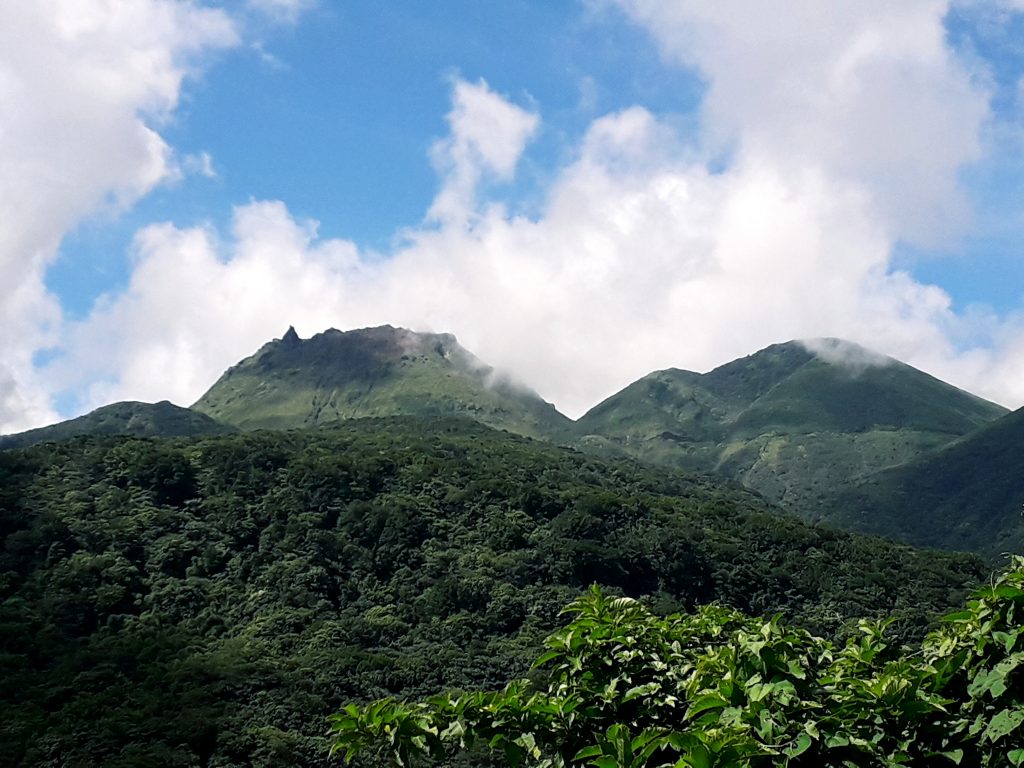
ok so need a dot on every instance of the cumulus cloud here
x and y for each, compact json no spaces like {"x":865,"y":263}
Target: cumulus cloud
{"x":867,"y":92}
{"x":487,"y":136}
{"x":847,"y":123}
{"x":145,"y":342}
{"x":634,"y":265}
{"x":84,"y":87}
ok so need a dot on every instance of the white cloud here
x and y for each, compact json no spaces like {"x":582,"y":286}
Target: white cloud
{"x":199,"y":164}
{"x":281,"y":11}
{"x":487,"y":137}
{"x":849,"y":134}
{"x":84,"y":86}
{"x":635,"y":265}
{"x":867,"y":92}
{"x":190,"y":307}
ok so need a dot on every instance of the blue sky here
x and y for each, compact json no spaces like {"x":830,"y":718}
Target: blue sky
{"x":336,"y":115}
{"x":582,"y":191}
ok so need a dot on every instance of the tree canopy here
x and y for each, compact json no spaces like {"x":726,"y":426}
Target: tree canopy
{"x":211,"y":600}
{"x":715,"y":688}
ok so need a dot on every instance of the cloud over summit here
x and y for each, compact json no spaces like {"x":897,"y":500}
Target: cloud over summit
{"x":846,"y":129}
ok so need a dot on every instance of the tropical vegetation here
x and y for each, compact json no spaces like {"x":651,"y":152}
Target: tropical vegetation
{"x":714,"y":688}
{"x":209,"y":601}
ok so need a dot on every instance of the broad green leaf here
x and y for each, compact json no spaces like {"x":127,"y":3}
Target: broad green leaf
{"x":706,"y":702}
{"x":640,"y":690}
{"x":958,"y":617}
{"x":1003,"y":723}
{"x":1007,"y":591}
{"x":587,"y":752}
{"x":800,"y":745}
{"x":546,"y":657}
{"x":758,"y":691}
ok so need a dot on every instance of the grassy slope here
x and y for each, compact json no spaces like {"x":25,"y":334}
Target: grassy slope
{"x":371,"y":372}
{"x":161,"y":419}
{"x":786,"y":422}
{"x":968,"y":495}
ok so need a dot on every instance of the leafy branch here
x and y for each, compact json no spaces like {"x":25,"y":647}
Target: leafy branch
{"x":626,"y":688}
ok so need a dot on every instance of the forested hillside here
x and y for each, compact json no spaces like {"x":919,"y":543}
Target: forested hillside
{"x":209,"y":601}
{"x":967,"y":496}
{"x":161,"y":419}
{"x":827,"y":430}
{"x":797,"y":422}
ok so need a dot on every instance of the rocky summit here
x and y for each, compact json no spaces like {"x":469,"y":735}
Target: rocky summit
{"x":383,"y":371}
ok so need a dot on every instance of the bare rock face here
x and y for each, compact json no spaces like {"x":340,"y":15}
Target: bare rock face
{"x":291,"y":338}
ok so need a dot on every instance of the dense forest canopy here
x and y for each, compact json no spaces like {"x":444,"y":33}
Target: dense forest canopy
{"x":717,"y":689}
{"x":210,"y":600}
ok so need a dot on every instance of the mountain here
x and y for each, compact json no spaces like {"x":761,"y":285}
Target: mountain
{"x":161,"y":419}
{"x":968,"y":495}
{"x":208,"y":601}
{"x":382,"y":371}
{"x":793,"y":421}
{"x":808,"y":424}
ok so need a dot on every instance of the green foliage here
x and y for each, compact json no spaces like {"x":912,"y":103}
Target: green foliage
{"x":161,"y":419}
{"x":714,"y":688}
{"x":334,"y":376}
{"x":209,"y":601}
{"x":967,"y":496}
{"x":798,"y":429}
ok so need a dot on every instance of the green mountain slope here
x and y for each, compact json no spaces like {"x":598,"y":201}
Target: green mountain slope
{"x":789,"y":422}
{"x":968,"y":496}
{"x":208,"y":601}
{"x":381,"y":371}
{"x":161,"y":419}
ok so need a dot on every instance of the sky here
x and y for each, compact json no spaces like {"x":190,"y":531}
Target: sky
{"x":582,"y":191}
